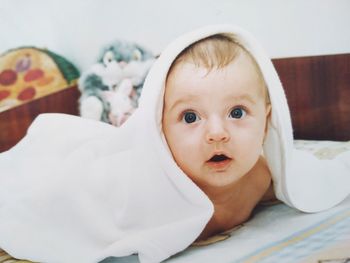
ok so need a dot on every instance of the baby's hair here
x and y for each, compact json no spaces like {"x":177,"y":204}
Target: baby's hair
{"x":215,"y":52}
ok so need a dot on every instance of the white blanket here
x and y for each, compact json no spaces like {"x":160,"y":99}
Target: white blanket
{"x":92,"y":191}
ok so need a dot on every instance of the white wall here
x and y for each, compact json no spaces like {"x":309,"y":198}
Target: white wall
{"x":77,"y":29}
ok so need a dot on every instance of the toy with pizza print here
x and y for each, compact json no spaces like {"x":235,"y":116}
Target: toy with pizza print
{"x":28,"y":73}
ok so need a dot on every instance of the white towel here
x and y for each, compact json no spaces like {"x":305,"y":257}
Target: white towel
{"x":75,"y":190}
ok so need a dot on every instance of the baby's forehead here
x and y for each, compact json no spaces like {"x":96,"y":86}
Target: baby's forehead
{"x":187,"y":79}
{"x":191,"y":79}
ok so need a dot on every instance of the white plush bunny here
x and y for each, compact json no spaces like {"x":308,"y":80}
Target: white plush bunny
{"x":121,"y":103}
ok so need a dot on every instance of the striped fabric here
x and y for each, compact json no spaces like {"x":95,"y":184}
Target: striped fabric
{"x":295,"y":248}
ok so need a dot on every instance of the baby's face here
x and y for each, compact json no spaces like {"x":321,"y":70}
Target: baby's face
{"x":215,"y":122}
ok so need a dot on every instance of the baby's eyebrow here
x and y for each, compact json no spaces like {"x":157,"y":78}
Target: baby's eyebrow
{"x":233,"y":99}
{"x":244,"y":97}
{"x":184,"y":99}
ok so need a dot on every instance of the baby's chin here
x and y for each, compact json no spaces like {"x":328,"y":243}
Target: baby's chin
{"x":218,"y":180}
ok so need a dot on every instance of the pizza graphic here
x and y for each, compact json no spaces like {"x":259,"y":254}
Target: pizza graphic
{"x":28,"y":73}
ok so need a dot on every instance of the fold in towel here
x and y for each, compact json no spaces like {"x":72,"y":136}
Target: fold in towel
{"x":75,"y":190}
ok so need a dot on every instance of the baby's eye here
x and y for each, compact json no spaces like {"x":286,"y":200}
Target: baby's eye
{"x":190,"y":117}
{"x":237,"y":113}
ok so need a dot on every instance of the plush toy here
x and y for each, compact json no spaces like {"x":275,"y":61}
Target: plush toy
{"x":121,"y":103}
{"x":110,"y":88}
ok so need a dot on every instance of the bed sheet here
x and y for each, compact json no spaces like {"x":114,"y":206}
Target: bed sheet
{"x":277,"y":234}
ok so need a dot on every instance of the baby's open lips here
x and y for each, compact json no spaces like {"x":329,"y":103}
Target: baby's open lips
{"x":219,"y":158}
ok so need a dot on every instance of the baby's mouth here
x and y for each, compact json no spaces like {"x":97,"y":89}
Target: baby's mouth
{"x":219,"y":162}
{"x":217,"y":158}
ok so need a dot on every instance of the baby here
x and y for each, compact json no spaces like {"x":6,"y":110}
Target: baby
{"x":216,"y":108}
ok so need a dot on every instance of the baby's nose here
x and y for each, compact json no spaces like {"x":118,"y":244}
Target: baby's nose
{"x":216,"y":131}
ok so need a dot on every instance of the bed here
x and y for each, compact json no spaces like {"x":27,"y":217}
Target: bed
{"x":318,"y":92}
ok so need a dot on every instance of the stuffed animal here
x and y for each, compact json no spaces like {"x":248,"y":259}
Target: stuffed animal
{"x":121,"y":65}
{"x":121,"y":103}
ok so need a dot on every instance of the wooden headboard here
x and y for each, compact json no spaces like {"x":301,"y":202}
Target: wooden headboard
{"x":318,"y":93}
{"x":317,"y":89}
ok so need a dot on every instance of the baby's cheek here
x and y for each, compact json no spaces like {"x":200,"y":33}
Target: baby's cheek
{"x":248,"y":144}
{"x":186,"y":149}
